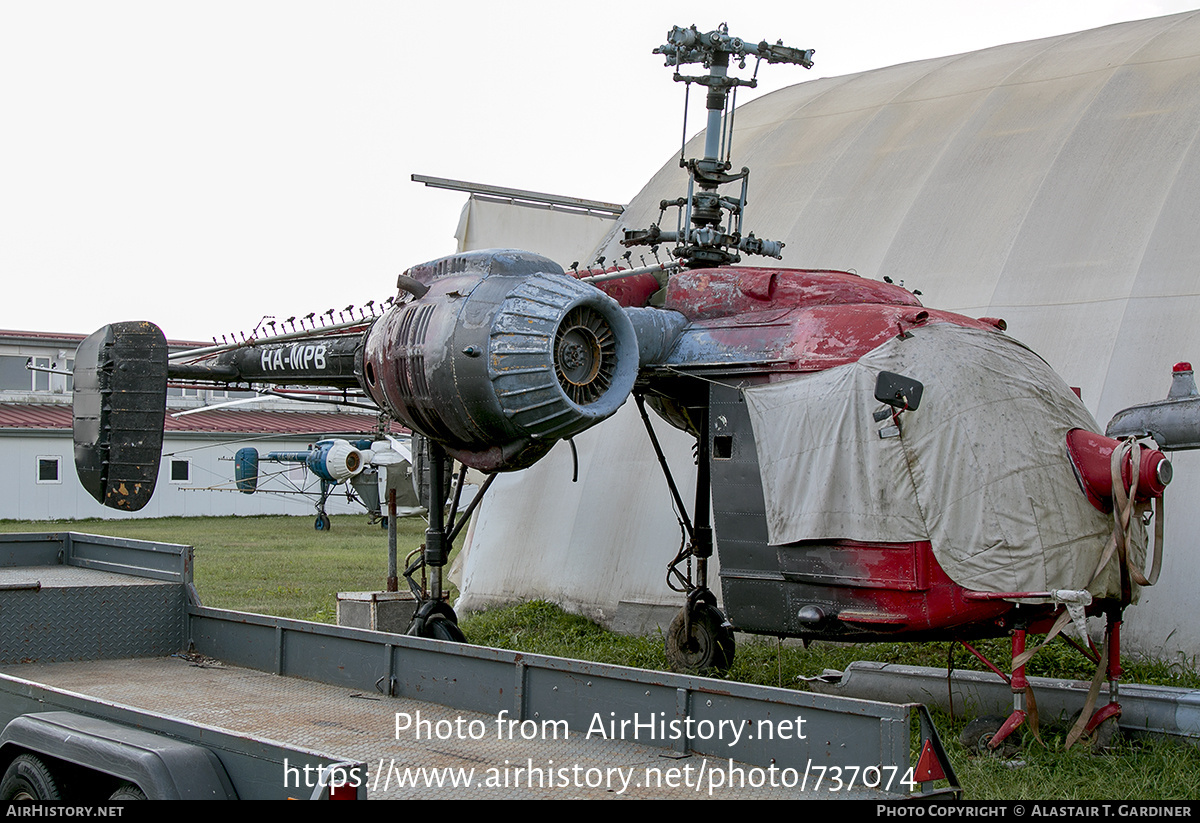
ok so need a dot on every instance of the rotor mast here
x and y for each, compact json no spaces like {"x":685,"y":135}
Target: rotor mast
{"x":703,"y":235}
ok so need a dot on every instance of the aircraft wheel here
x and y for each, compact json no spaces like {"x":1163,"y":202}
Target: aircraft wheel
{"x":1102,"y":739}
{"x":439,"y":628}
{"x":322,"y":523}
{"x":1105,"y":737}
{"x":28,"y":778}
{"x":979,"y":733}
{"x":445,"y":610}
{"x":127,"y":791}
{"x":709,"y":646}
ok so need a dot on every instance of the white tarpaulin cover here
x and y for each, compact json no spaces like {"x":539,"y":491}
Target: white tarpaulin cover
{"x":980,"y":468}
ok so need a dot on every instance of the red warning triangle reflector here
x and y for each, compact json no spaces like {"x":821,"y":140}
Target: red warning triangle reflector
{"x":928,"y":766}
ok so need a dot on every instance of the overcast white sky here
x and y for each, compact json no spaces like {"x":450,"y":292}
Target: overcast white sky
{"x":203,"y":164}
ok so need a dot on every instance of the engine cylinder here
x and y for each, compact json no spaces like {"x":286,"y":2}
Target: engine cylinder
{"x":502,"y":356}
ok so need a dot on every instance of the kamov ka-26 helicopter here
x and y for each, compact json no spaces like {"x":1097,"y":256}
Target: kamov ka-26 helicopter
{"x":875,"y":469}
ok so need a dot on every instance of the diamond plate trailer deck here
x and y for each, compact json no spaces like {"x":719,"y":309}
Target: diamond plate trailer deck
{"x":104,"y":640}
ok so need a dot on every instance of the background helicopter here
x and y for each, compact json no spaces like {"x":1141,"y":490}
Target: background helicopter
{"x":876,"y":469}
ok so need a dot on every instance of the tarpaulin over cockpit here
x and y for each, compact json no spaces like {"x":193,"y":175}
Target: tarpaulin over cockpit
{"x":980,"y":469}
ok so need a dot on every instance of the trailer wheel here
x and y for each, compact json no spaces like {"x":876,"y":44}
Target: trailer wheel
{"x":28,"y":778}
{"x":709,"y":646}
{"x":127,"y":791}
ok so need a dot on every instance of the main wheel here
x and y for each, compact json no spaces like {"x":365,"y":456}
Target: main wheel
{"x":979,"y":733}
{"x":322,"y":523}
{"x":709,"y":646}
{"x":445,"y":610}
{"x":439,"y":628}
{"x":28,"y":778}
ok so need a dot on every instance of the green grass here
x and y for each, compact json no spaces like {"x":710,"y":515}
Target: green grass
{"x":1136,"y":770}
{"x":281,"y":566}
{"x":268,"y":565}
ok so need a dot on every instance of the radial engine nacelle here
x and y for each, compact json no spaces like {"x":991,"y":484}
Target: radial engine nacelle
{"x":499,"y":355}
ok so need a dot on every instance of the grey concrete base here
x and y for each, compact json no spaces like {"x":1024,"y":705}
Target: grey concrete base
{"x":377,"y":611}
{"x":642,"y":618}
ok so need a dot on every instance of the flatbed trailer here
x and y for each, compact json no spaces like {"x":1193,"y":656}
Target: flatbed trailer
{"x":115,"y":682}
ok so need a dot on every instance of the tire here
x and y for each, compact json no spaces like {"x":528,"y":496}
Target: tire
{"x":1105,"y":736}
{"x":127,"y":791}
{"x":979,"y":733}
{"x":28,"y":778}
{"x":1102,"y":739}
{"x":439,"y":628}
{"x":322,"y":523}
{"x":709,"y":647}
{"x":445,"y":610}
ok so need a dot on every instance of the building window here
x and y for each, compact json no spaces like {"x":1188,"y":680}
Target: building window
{"x":63,"y":383}
{"x":181,"y":471}
{"x":49,"y":469}
{"x":41,"y":379}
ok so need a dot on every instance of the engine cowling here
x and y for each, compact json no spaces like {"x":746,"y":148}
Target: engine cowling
{"x":499,"y":355}
{"x":334,"y":460}
{"x":1091,"y":457}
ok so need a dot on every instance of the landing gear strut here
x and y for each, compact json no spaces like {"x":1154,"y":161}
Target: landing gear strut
{"x":322,"y":523}
{"x":995,"y":735}
{"x":700,"y":638}
{"x":434,"y":617}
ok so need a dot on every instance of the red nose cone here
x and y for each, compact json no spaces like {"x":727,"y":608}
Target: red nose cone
{"x":1091,"y":455}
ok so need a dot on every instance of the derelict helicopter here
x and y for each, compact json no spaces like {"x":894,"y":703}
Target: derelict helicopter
{"x":874,"y":469}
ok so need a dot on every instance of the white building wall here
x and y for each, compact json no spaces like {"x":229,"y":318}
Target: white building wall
{"x":209,"y":492}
